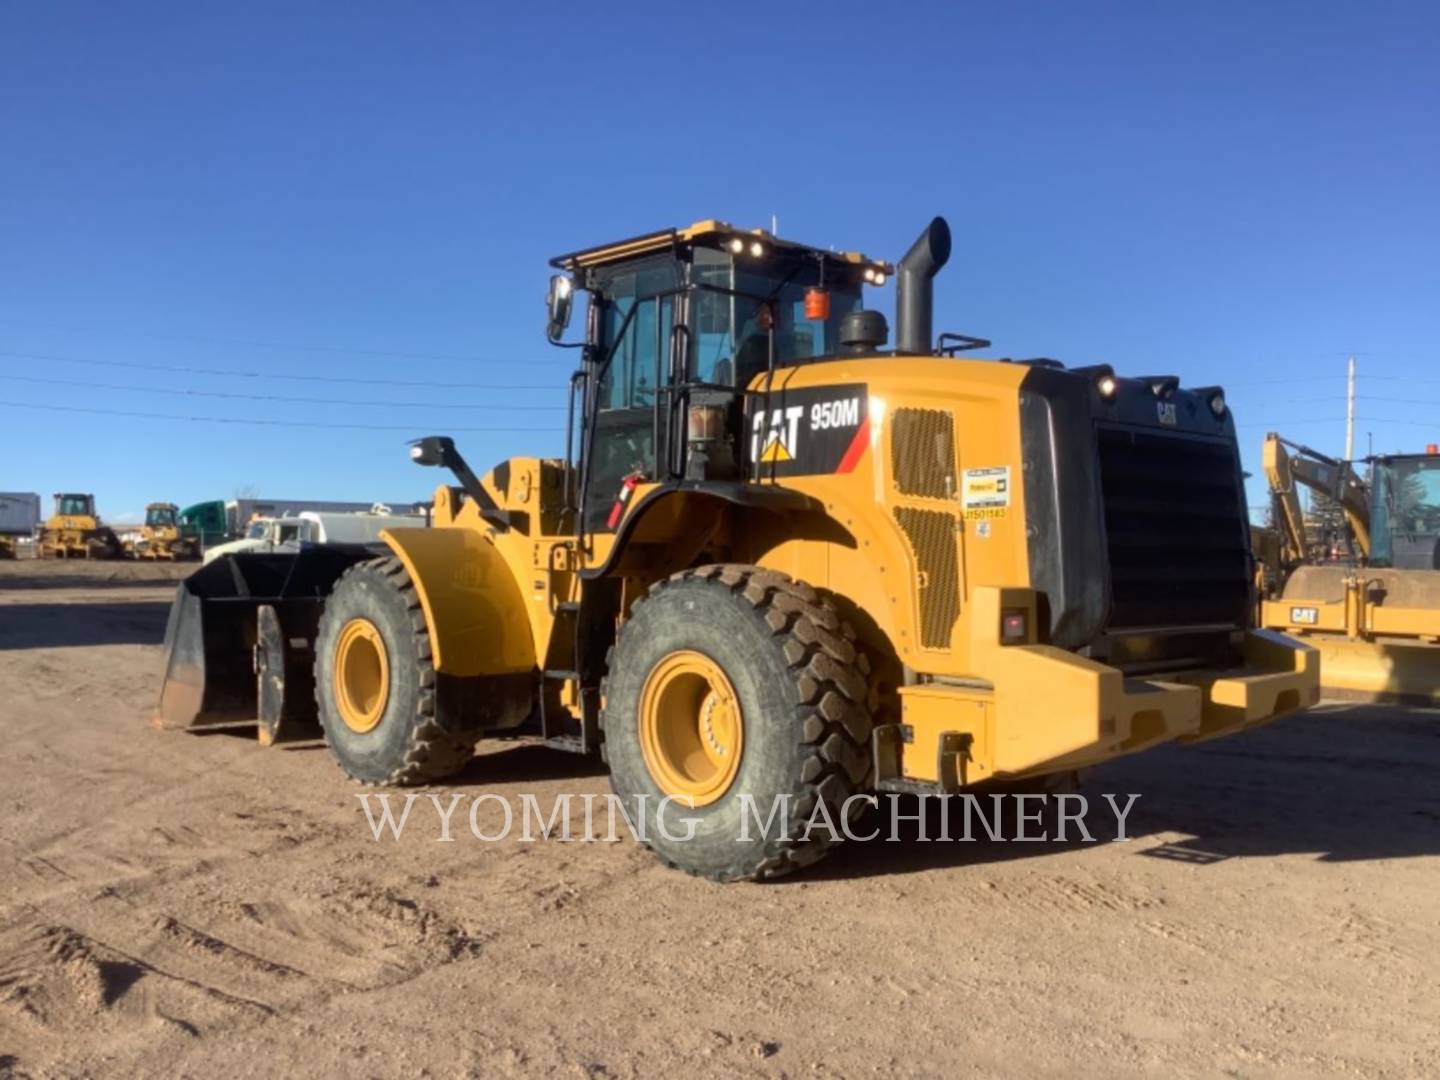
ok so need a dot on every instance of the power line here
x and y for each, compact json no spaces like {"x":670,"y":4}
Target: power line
{"x":236,"y":373}
{"x":394,"y":354}
{"x":1272,"y":424}
{"x":1340,"y":420}
{"x":251,"y":421}
{"x":1333,"y":398}
{"x":187,"y":392}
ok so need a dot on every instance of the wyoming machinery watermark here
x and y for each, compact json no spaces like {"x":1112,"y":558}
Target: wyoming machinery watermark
{"x":963,"y":817}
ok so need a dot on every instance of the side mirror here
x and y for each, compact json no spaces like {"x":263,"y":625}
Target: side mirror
{"x":558,"y":302}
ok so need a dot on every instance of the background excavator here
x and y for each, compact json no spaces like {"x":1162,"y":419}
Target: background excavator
{"x":1376,"y":616}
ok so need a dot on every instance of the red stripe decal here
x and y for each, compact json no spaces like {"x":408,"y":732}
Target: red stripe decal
{"x":856,"y":449}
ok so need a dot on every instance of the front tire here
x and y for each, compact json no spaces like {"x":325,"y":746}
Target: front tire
{"x":732,"y":690}
{"x":376,"y":685}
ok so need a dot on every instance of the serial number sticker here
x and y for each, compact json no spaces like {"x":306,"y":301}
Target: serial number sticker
{"x":985,"y":493}
{"x":1304,"y":616}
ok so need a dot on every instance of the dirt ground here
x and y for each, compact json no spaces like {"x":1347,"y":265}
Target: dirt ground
{"x":197,"y":905}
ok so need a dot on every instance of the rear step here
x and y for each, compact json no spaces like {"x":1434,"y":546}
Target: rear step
{"x":588,"y":739}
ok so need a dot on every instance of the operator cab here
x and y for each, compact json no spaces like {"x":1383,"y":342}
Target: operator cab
{"x":680,"y":325}
{"x":160,"y":516}
{"x":1405,"y":511}
{"x":74,"y":505}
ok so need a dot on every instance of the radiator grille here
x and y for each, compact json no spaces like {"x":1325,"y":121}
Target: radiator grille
{"x":1175,"y":528}
{"x":932,"y":537}
{"x":922,"y":443}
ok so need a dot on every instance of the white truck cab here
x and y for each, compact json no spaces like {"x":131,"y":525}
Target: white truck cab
{"x":315,"y":527}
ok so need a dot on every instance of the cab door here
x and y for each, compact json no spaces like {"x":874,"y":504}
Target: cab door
{"x":632,"y":388}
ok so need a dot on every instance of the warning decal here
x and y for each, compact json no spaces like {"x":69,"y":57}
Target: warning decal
{"x":985,"y":493}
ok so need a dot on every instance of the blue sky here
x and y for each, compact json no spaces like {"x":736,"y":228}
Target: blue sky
{"x":1232,"y":192}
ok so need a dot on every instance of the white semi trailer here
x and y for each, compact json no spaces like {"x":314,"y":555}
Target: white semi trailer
{"x":19,"y":519}
{"x":19,"y":513}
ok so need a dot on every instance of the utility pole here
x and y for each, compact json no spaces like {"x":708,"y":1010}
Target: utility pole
{"x":1350,"y":414}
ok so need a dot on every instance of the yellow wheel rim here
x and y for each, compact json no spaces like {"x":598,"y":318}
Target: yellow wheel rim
{"x":691,"y":729}
{"x":362,"y":675}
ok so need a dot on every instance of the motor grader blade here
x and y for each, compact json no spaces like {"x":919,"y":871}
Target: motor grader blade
{"x":216,"y":620}
{"x":1377,"y":629}
{"x":1392,"y":671}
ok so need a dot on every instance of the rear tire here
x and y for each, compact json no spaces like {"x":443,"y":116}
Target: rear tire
{"x":790,"y":678}
{"x":376,"y":685}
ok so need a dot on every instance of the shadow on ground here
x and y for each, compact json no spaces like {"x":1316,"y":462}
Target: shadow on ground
{"x":98,"y":580}
{"x":497,"y":762}
{"x":524,"y":762}
{"x":56,"y":626}
{"x":1343,"y":783}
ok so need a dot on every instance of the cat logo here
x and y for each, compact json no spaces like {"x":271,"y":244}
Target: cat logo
{"x":1166,"y":412}
{"x":774,"y":438}
{"x":808,"y":431}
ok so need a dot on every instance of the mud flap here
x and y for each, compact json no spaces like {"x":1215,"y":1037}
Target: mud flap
{"x":211,"y":662}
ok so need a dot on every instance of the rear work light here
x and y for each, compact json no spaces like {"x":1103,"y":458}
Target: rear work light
{"x":1014,"y":628}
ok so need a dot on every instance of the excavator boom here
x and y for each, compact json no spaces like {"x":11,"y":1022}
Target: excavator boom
{"x":1336,"y":480}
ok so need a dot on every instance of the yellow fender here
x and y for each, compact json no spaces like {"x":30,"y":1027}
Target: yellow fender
{"x":473,"y":606}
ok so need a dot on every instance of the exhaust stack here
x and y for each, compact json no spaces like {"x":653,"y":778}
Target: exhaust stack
{"x":914,"y":291}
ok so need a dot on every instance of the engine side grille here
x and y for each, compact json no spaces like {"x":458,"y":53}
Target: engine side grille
{"x":932,"y":537}
{"x":922,"y":443}
{"x":1175,"y":528}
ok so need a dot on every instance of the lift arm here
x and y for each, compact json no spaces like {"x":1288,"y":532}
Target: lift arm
{"x":1332,"y":478}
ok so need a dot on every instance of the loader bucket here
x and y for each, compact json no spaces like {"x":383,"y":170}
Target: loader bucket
{"x":210,"y":663}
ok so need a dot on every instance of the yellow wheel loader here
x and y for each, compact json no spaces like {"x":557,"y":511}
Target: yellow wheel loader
{"x":779,"y":561}
{"x":1376,"y":618}
{"x":74,"y":530}
{"x":165,"y":536}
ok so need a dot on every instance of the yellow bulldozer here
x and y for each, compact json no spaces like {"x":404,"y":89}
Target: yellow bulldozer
{"x":779,"y":563}
{"x":165,"y":536}
{"x":75,"y":530}
{"x":1375,"y":616}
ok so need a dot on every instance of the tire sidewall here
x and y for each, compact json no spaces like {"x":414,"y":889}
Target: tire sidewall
{"x":372,"y":756}
{"x":720,"y":624}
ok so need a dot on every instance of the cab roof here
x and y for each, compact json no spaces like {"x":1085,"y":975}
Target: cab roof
{"x":707,"y":233}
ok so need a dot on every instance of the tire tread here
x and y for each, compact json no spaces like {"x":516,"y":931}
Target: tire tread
{"x":830,"y":674}
{"x":433,"y":752}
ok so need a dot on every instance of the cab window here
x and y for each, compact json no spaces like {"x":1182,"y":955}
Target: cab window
{"x":636,"y":334}
{"x":736,"y":307}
